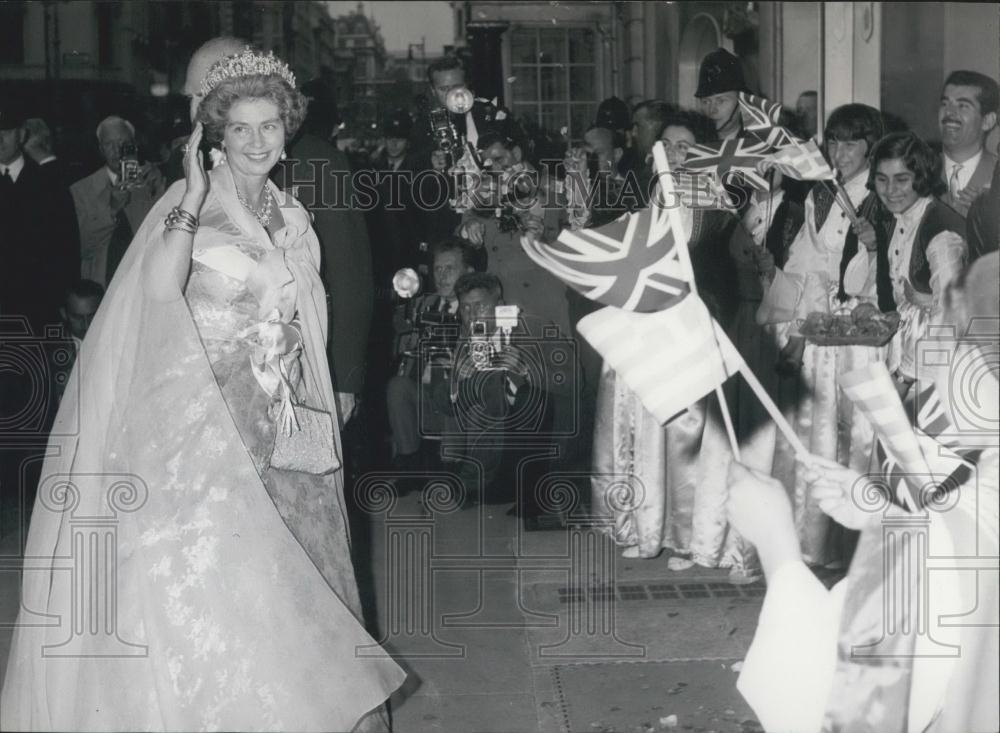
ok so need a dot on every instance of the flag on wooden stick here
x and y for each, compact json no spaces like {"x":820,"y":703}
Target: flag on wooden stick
{"x":656,"y":333}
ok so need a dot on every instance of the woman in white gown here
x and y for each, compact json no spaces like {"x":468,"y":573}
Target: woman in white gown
{"x":211,"y":585}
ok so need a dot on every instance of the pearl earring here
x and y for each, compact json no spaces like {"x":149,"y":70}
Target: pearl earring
{"x":283,"y":155}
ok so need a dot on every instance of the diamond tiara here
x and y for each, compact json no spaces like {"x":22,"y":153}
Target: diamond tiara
{"x":247,"y":63}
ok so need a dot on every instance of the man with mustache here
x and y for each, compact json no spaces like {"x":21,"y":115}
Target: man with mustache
{"x":967,"y":114}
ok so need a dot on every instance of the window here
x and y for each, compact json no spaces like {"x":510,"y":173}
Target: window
{"x":554,"y":74}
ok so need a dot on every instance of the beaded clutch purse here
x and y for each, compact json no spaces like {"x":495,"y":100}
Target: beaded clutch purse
{"x":304,"y":440}
{"x":309,"y":447}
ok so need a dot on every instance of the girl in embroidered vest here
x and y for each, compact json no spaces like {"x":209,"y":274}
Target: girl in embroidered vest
{"x":809,"y":282}
{"x":234,"y":600}
{"x":927,"y":246}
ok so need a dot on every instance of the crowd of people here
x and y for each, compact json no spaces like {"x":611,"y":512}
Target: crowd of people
{"x":245,"y":352}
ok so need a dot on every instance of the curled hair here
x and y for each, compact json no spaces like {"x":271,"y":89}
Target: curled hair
{"x":855,"y":122}
{"x":213,"y":112}
{"x":916,"y":155}
{"x":478,"y":281}
{"x":699,"y":125}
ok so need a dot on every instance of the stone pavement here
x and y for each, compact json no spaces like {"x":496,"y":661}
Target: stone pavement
{"x":549,"y":631}
{"x":506,"y":630}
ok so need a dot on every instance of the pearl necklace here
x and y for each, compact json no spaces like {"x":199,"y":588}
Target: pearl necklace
{"x":264,"y":215}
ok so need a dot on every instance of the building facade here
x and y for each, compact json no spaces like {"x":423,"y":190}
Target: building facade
{"x":361,"y":62}
{"x":553,"y":62}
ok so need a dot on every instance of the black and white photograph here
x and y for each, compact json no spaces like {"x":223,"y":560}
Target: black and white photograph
{"x":499,"y":367}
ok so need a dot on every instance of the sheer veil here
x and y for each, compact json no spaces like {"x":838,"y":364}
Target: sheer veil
{"x":162,"y":589}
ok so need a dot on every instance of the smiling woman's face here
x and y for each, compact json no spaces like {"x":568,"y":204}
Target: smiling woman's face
{"x":894,"y":185}
{"x":254,"y":137}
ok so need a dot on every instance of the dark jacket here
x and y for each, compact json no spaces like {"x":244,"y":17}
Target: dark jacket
{"x":983,"y":221}
{"x":41,"y":247}
{"x":346,"y":268}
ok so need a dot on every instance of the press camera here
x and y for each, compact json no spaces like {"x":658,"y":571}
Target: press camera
{"x":128,"y":166}
{"x":485,"y":347}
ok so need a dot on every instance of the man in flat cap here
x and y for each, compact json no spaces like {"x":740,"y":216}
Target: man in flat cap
{"x":720,"y":81}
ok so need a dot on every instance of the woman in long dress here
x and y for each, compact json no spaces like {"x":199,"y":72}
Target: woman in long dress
{"x":663,"y":463}
{"x":175,"y":579}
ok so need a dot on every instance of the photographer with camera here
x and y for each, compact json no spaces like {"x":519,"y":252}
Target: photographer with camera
{"x":452,"y":118}
{"x":497,"y":392}
{"x":430,"y":317}
{"x":112,"y":202}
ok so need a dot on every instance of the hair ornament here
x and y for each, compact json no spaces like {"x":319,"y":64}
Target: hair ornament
{"x":247,"y":63}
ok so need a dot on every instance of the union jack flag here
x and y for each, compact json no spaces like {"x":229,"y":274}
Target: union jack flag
{"x":736,"y":155}
{"x":761,"y":118}
{"x":758,"y":114}
{"x":656,"y":333}
{"x":630,"y":263}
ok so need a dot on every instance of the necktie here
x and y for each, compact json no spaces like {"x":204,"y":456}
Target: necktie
{"x":6,"y":182}
{"x":953,"y":185}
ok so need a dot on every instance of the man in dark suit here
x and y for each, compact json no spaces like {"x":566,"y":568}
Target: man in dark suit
{"x":39,"y":259}
{"x":41,"y":253}
{"x":40,"y":149}
{"x":967,"y":114}
{"x":319,"y":175}
{"x":392,"y":221}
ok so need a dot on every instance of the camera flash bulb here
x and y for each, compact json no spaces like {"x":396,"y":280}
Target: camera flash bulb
{"x":506,"y":317}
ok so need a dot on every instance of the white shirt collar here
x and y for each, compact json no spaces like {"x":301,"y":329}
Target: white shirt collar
{"x":909,"y":219}
{"x":968,"y":166}
{"x":857,"y":187}
{"x":112,"y":176}
{"x":47,"y":159}
{"x":14,"y":168}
